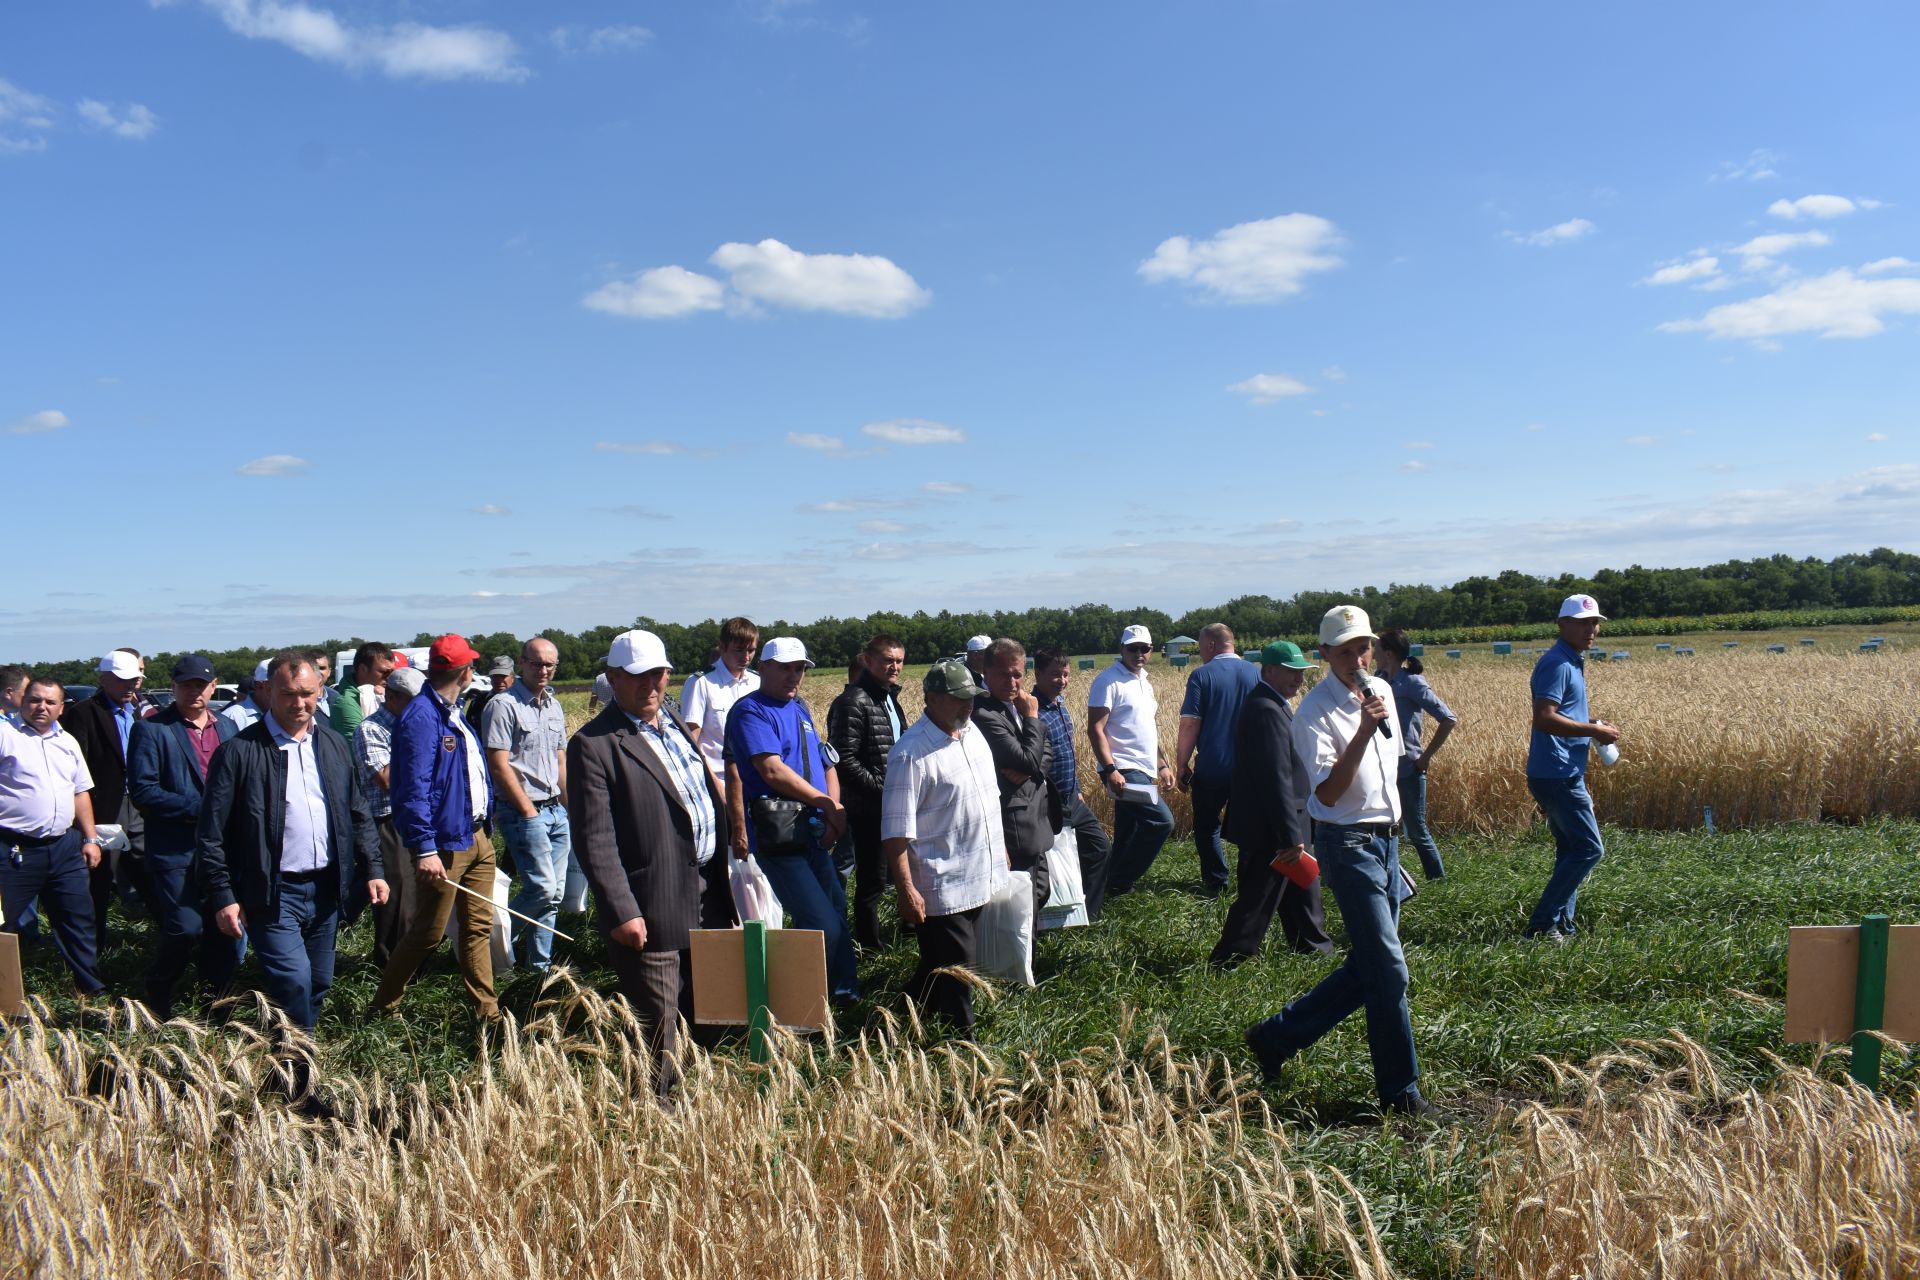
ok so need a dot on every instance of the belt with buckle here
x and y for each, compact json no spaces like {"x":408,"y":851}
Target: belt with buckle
{"x":547,"y":804}
{"x":20,"y":840}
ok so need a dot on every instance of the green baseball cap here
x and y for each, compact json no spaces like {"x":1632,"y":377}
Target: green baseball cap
{"x":952,"y":677}
{"x":1285,"y":653}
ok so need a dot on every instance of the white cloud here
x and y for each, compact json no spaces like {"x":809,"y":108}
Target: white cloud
{"x":1263,"y":261}
{"x":1877,"y":437}
{"x":1414,"y":465}
{"x":1558,"y":233}
{"x":885,"y":526}
{"x":1719,"y":468}
{"x":858,"y":284}
{"x":1836,"y":305}
{"x":491,"y":509}
{"x":1420,"y":444}
{"x":1758,"y":166}
{"x":1269,"y":388}
{"x":912,"y":431}
{"x":405,"y":50}
{"x":655,"y":448}
{"x":35,"y":423}
{"x":771,"y":274}
{"x":1880,"y":266}
{"x":1758,"y":253}
{"x":1814,"y":207}
{"x":814,"y":440}
{"x":946,"y":486}
{"x":657,"y":294}
{"x":1704,"y":267}
{"x":136,"y":123}
{"x":1334,"y":373}
{"x":620,"y":38}
{"x":1643,"y":442}
{"x":23,"y":116}
{"x":274,"y":464}
{"x":842,"y":506}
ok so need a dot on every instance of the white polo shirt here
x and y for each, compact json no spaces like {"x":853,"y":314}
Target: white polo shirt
{"x":943,"y":796}
{"x":1326,"y":722}
{"x":1133,"y":716}
{"x":39,"y":777}
{"x":704,"y":704}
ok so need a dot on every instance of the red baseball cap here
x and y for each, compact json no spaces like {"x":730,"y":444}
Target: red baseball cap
{"x":451,"y":651}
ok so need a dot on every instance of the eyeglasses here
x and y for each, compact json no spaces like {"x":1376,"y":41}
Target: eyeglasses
{"x":1139,"y":648}
{"x":541,"y":666}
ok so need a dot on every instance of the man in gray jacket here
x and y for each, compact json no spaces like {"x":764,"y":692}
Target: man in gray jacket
{"x":1008,"y":717}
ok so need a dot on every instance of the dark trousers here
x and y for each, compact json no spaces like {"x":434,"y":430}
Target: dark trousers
{"x":180,"y":933}
{"x":295,"y":943}
{"x":1139,"y":832}
{"x":1263,"y":892}
{"x":946,"y":941}
{"x":390,"y":917}
{"x":659,"y":987}
{"x":716,"y":894}
{"x":1095,"y":849}
{"x":56,"y":873}
{"x":869,"y":877}
{"x":1209,"y":798}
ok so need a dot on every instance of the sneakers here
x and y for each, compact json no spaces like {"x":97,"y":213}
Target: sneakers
{"x":1554,"y":935}
{"x":1259,"y":1038}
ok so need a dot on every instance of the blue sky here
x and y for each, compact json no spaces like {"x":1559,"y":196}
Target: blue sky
{"x":369,"y":318}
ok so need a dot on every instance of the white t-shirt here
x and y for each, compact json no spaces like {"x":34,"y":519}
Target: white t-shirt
{"x":704,"y":704}
{"x":1133,"y":716}
{"x":943,"y":795}
{"x":1328,"y":718}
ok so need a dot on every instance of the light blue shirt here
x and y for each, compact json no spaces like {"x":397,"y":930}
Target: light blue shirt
{"x":244,"y":713}
{"x":1561,"y":674}
{"x":124,"y":714}
{"x":303,"y":844}
{"x":689,"y":773}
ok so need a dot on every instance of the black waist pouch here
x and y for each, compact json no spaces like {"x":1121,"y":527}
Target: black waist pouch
{"x":780,"y":825}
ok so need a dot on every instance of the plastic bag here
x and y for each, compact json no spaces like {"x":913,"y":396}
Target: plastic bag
{"x":1067,"y":902}
{"x":1004,"y":946}
{"x":502,"y":941}
{"x":753,"y":896}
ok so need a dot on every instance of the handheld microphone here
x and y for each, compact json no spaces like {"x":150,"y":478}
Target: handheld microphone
{"x":1366,"y":691}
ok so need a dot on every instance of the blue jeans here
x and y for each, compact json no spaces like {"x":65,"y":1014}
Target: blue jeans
{"x":181,"y":932}
{"x":295,"y":945}
{"x":1413,"y":818}
{"x":809,"y":888}
{"x":1576,"y":848}
{"x":1139,"y":830}
{"x":56,"y":874}
{"x":1209,"y":798}
{"x":541,"y":848}
{"x":1359,"y":865}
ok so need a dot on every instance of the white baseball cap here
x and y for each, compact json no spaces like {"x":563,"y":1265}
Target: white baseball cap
{"x":603,"y":688}
{"x":1135,"y":634}
{"x":260,"y":672}
{"x":978,"y":643}
{"x":1581,"y":607}
{"x":1342,"y":623}
{"x":785,"y":649}
{"x":636,"y":651}
{"x":120,"y":663}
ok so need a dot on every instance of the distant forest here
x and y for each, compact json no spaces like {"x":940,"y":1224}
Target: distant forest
{"x":1738,"y":595}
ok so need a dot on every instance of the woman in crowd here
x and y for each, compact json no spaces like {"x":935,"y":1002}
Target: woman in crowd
{"x":1414,"y":700}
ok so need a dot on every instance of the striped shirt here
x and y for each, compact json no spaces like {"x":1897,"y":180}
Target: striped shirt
{"x":1063,"y":771}
{"x":689,"y":773}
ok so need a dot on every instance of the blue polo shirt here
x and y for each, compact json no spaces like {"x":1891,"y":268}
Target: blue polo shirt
{"x":1561,"y":674}
{"x":758,"y":726}
{"x":1214,"y":693}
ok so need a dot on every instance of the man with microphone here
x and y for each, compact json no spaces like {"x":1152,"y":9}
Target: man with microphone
{"x":1557,"y":764}
{"x":1343,"y":733}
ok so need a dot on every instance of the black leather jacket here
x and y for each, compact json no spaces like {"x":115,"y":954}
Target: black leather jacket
{"x":860,"y":732}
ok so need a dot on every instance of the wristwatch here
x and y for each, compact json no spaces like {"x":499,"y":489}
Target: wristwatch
{"x":1106,"y":769}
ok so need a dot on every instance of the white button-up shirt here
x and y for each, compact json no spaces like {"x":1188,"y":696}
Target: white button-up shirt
{"x":705,"y":701}
{"x":303,"y":839}
{"x":1326,"y":722}
{"x":943,"y":796}
{"x":39,"y":776}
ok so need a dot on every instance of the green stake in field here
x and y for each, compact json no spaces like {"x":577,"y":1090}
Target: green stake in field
{"x":759,"y":1018}
{"x":1870,"y":1000}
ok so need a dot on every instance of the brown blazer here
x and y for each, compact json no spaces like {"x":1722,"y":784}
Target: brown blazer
{"x":632,"y":831}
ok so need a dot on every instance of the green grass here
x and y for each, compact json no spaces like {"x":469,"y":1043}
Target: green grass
{"x":1675,"y":928}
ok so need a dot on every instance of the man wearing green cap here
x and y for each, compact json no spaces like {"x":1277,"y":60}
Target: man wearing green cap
{"x":1267,"y":817}
{"x":942,"y":834}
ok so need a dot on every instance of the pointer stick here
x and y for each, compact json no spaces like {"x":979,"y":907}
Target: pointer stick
{"x":452,"y":883}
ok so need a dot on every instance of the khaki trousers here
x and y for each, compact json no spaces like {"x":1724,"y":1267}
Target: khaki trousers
{"x":432,"y":903}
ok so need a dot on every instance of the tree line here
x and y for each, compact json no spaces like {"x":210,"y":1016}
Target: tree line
{"x":1510,"y":605}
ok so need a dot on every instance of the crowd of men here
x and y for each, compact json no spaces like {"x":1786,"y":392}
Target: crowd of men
{"x":270,"y":825}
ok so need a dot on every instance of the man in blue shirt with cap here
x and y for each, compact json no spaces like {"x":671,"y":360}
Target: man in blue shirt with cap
{"x":1557,"y":764}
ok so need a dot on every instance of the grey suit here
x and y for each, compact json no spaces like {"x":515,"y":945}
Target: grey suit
{"x":1030,"y":811}
{"x":634,"y":837}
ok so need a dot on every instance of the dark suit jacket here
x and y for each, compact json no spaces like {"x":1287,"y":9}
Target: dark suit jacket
{"x":1267,"y":804}
{"x":163,"y":777}
{"x":1030,"y":811}
{"x":632,"y":831}
{"x":98,"y":737}
{"x":244,"y":818}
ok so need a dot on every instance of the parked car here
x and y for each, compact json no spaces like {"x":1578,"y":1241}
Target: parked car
{"x":78,"y":692}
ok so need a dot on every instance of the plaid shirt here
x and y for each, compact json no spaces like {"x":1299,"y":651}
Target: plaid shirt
{"x":689,"y":773}
{"x":1063,"y":771}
